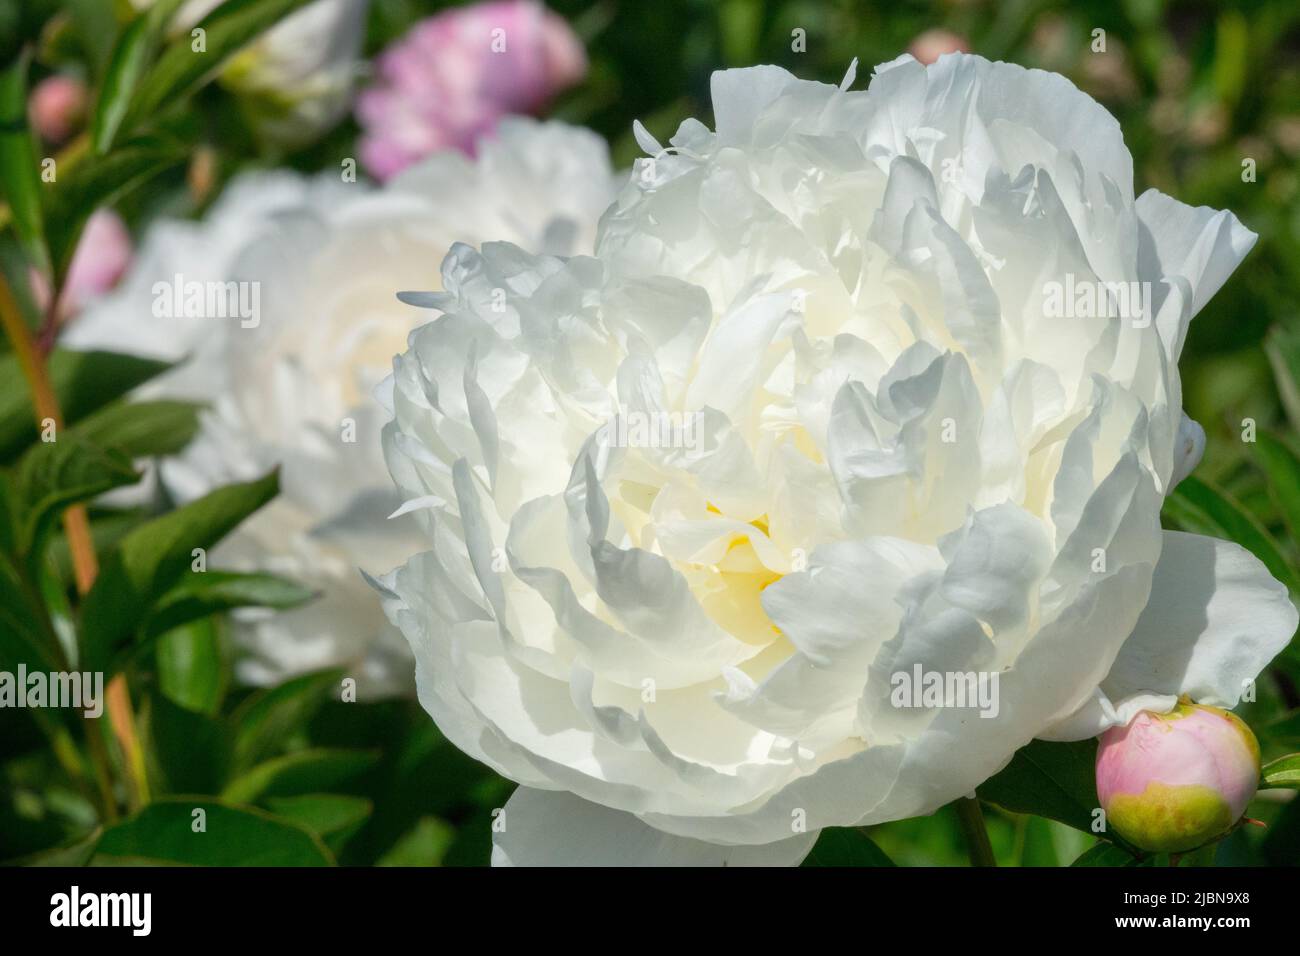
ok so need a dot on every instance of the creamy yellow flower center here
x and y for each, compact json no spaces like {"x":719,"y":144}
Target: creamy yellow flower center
{"x":731,"y":591}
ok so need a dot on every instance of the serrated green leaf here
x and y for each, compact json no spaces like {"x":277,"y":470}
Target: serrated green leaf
{"x":304,"y":771}
{"x":152,"y":559}
{"x":846,"y":846}
{"x":165,"y":833}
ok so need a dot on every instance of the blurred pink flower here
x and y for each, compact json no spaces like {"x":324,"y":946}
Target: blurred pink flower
{"x":57,"y":107}
{"x":452,"y":77}
{"x":103,"y":254}
{"x":932,"y":44}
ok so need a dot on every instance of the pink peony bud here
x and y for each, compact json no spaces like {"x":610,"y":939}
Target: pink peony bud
{"x":103,"y":254}
{"x":1173,"y":782}
{"x":453,"y":76}
{"x":57,"y":107}
{"x":932,"y":44}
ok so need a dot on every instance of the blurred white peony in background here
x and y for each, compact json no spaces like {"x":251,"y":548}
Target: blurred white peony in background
{"x":685,"y":654}
{"x":296,"y":80}
{"x":310,"y":326}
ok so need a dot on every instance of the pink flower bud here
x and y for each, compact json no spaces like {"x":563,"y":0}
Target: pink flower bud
{"x":57,"y":106}
{"x":1173,"y":782}
{"x":453,"y":76}
{"x":932,"y":44}
{"x":103,"y":254}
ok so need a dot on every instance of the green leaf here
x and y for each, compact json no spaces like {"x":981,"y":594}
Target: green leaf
{"x":846,"y":846}
{"x":304,"y":771}
{"x":266,"y":719}
{"x":190,"y":750}
{"x":1106,"y":854}
{"x":126,"y":65}
{"x":1050,"y":780}
{"x":1281,"y":466}
{"x":199,"y":596}
{"x":101,"y":181}
{"x":19,"y":169}
{"x":8,"y":520}
{"x":1285,"y":730}
{"x":91,"y":27}
{"x":82,"y":382}
{"x":1282,"y":773}
{"x":1283,"y":349}
{"x":25,"y":633}
{"x":143,"y":429}
{"x":424,"y":844}
{"x":152,"y":559}
{"x":165,"y":833}
{"x":181,"y":70}
{"x":1198,"y":506}
{"x":331,"y":816}
{"x":54,"y":475}
{"x":192,"y":667}
{"x":76,"y":852}
{"x":1035,"y":843}
{"x":1281,"y":843}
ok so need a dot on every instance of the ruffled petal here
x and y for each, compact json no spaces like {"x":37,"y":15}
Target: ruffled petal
{"x":554,"y":828}
{"x":1215,"y":618}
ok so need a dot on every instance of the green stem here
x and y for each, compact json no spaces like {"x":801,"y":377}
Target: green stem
{"x":971,"y":818}
{"x":103,"y":769}
{"x":85,"y":564}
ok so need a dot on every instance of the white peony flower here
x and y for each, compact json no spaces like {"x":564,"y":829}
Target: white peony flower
{"x":902,"y":462}
{"x":308,"y":325}
{"x":298,"y":77}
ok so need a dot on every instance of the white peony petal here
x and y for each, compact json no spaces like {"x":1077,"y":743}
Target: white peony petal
{"x":1198,"y":245}
{"x":1215,"y":619}
{"x":1188,"y":449}
{"x":549,"y":828}
{"x":739,"y":97}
